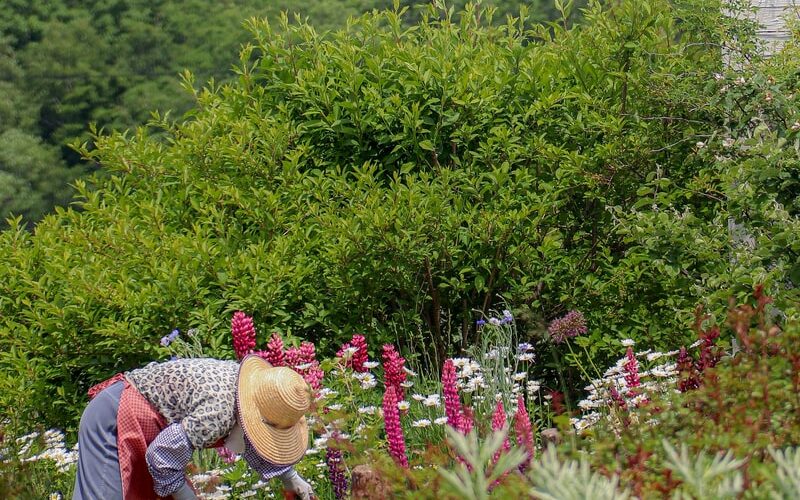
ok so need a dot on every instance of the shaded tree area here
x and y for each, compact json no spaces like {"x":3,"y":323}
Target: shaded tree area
{"x":65,"y":64}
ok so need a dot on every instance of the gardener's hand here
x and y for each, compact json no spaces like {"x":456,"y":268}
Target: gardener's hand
{"x":186,"y":492}
{"x":293,"y":482}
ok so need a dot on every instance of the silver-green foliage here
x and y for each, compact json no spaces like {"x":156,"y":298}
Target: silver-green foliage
{"x":787,"y":477}
{"x":704,"y":476}
{"x":474,"y":477}
{"x":571,"y":480}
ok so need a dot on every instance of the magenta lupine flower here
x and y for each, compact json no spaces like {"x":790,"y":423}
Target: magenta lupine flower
{"x":568,"y":326}
{"x":631,"y":370}
{"x":359,"y":357}
{"x":314,"y":375}
{"x":243,"y":333}
{"x":709,"y":356}
{"x":394,"y":433}
{"x":498,"y":422}
{"x":467,"y":422}
{"x":522,"y":427}
{"x":226,"y":455}
{"x":393,"y":372}
{"x":689,"y":378}
{"x":618,"y":399}
{"x":308,"y":352}
{"x":292,"y":357}
{"x":336,"y":473}
{"x":452,"y":402}
{"x":274,"y":353}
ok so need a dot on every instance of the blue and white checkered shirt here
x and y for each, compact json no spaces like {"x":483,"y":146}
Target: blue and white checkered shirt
{"x":170,"y":452}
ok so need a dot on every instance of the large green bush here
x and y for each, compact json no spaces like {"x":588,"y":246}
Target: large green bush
{"x":395,"y":181}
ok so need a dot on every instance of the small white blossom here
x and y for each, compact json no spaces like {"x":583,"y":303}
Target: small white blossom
{"x":369,"y":365}
{"x":432,"y":400}
{"x":403,"y":405}
{"x":423,"y":422}
{"x":628,"y":343}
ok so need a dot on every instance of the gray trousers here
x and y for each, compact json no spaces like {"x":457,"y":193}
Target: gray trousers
{"x":98,"y":475}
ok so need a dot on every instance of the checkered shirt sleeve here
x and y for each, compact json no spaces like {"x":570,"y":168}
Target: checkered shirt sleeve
{"x":256,"y":462}
{"x":167,"y":457}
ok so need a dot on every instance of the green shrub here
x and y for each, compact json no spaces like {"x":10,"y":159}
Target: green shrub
{"x":391,"y":180}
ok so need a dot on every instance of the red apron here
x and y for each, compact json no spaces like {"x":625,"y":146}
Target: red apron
{"x":138,"y":424}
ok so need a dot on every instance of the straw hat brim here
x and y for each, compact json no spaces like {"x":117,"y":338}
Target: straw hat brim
{"x":279,"y":446}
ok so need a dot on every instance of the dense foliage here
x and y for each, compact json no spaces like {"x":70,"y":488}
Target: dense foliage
{"x":64,"y":64}
{"x":402,"y":181}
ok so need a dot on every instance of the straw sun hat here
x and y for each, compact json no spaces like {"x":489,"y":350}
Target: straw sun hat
{"x":272,"y":405}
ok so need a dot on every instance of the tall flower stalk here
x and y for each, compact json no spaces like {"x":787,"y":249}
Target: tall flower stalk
{"x":394,"y":373}
{"x":359,"y":356}
{"x":274,"y":353}
{"x":522,"y":427}
{"x":336,"y":472}
{"x":394,"y":433}
{"x":243,"y":333}
{"x":452,"y":402}
{"x":499,"y":425}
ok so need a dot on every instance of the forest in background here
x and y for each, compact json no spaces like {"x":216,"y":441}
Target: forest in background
{"x":65,"y":64}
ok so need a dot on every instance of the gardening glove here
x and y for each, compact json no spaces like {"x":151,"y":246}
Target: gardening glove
{"x":184,"y":493}
{"x":293,"y":482}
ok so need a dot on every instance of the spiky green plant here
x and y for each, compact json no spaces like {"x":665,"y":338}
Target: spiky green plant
{"x":571,"y":480}
{"x":704,"y":477}
{"x":787,"y":478}
{"x":474,"y":476}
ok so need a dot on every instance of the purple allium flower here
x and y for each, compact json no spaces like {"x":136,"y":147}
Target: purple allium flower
{"x":570,"y":325}
{"x":336,"y":473}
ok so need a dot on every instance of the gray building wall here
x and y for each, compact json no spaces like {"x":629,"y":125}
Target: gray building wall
{"x":771,"y":16}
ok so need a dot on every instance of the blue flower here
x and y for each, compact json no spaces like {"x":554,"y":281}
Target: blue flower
{"x":507,"y":317}
{"x":168,"y":339}
{"x":525,"y":347}
{"x":480,"y":322}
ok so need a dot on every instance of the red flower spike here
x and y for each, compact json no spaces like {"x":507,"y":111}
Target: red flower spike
{"x":393,"y":370}
{"x":243,"y":333}
{"x":394,"y":433}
